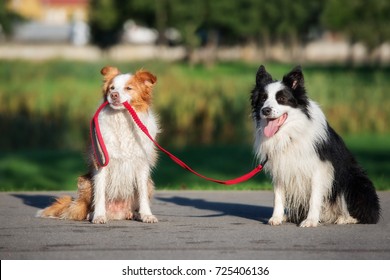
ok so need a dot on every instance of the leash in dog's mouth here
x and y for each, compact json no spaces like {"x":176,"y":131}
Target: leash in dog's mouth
{"x":102,"y":157}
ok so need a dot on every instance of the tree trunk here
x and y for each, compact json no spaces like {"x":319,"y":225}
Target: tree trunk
{"x":209,"y":52}
{"x":161,"y":21}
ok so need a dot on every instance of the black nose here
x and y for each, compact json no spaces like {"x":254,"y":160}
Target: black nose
{"x":266,"y":111}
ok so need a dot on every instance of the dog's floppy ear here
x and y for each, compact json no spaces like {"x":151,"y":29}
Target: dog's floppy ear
{"x":145,"y":77}
{"x":263,"y":77}
{"x":143,"y":82}
{"x":109,"y":72}
{"x":294,"y":79}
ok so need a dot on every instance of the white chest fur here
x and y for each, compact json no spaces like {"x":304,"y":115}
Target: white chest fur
{"x":131,"y":153}
{"x":123,"y":139}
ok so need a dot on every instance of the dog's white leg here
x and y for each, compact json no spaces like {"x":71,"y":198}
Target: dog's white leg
{"x":145,"y":214}
{"x":320,"y":185}
{"x":278,"y":213}
{"x":99,"y":215}
{"x":313,"y":216}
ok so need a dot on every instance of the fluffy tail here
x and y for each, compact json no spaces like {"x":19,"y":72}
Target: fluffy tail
{"x":363,"y":202}
{"x":69,"y":209}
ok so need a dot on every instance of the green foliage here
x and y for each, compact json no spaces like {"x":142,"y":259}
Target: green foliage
{"x":45,"y":109}
{"x":361,"y":20}
{"x":105,"y":22}
{"x":237,"y":22}
{"x":187,"y":16}
{"x":50,"y":104}
{"x":7,"y":19}
{"x":59,"y":169}
{"x":104,"y":14}
{"x":234,"y":21}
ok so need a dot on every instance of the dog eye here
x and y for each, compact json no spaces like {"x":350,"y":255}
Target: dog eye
{"x":128,"y":88}
{"x":282,"y":99}
{"x":112,"y":87}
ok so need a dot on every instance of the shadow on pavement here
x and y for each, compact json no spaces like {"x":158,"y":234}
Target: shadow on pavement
{"x":252,"y":212}
{"x":39,"y":201}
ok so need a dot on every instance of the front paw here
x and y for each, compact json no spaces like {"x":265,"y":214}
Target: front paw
{"x":151,"y":219}
{"x":276,"y":221}
{"x":99,"y":219}
{"x":309,"y":223}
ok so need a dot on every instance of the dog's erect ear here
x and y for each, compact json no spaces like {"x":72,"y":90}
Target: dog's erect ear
{"x":295,"y":78}
{"x":145,"y":77}
{"x":263,"y":77}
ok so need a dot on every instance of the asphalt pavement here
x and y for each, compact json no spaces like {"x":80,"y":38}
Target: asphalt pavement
{"x":192,"y":225}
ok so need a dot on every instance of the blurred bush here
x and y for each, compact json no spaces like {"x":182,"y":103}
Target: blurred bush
{"x":49,"y":105}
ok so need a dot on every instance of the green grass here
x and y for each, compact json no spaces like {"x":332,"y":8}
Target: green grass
{"x":58,"y":170}
{"x":40,"y":170}
{"x":45,"y":109}
{"x":49,"y":104}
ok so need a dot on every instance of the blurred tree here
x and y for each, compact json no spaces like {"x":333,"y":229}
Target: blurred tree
{"x":187,"y":16}
{"x":360,"y":20}
{"x":161,"y":21}
{"x":142,"y":11}
{"x":294,"y":22}
{"x":7,"y":19}
{"x":4,"y":19}
{"x":263,"y":22}
{"x":151,"y":13}
{"x":105,"y":22}
{"x":207,"y":24}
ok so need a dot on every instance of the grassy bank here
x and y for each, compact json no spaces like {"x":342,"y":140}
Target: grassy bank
{"x":50,"y":104}
{"x":59,"y":169}
{"x":45,"y":109}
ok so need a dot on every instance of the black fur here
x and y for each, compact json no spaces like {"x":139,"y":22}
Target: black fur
{"x":350,"y":179}
{"x":296,"y":84}
{"x":259,"y":96}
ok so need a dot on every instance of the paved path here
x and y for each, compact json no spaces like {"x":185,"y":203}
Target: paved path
{"x":193,"y":225}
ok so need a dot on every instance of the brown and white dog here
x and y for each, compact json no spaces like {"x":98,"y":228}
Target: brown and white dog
{"x":122,"y":189}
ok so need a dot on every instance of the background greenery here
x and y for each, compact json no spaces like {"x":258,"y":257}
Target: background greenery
{"x":258,"y":22}
{"x":225,"y":22}
{"x":45,"y":109}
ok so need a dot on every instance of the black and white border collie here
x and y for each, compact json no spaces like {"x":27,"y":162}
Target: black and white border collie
{"x":315,"y":177}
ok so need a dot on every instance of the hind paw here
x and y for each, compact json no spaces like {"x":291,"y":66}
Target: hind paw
{"x":342,"y":220}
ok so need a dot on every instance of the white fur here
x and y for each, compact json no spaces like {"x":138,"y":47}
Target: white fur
{"x":132,"y":157}
{"x":299,"y":176}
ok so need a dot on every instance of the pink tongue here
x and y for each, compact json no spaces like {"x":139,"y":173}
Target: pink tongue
{"x":273,"y":125}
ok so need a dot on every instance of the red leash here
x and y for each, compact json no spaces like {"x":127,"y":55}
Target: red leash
{"x":98,"y":146}
{"x":103,"y":158}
